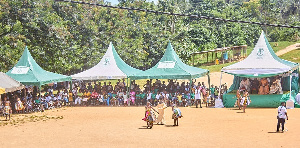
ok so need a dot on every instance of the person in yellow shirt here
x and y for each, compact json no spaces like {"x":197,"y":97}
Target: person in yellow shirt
{"x":86,"y":97}
{"x":179,"y":97}
{"x":71,"y":97}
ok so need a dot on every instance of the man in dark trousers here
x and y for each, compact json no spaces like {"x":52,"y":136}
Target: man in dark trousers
{"x":282,"y":115}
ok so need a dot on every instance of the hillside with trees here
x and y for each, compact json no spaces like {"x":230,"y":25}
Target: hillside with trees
{"x":68,"y":38}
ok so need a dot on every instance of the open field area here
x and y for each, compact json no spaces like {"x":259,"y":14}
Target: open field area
{"x":293,"y":56}
{"x":123,"y":127}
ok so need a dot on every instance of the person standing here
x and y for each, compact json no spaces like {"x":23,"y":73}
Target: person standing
{"x":298,"y":98}
{"x":161,"y":107}
{"x":198,"y":96}
{"x":282,"y":115}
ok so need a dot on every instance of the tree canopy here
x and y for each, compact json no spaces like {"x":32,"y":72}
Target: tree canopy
{"x":68,"y":38}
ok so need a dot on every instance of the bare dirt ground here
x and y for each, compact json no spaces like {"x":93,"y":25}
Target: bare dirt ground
{"x":123,"y":127}
{"x":215,"y":79}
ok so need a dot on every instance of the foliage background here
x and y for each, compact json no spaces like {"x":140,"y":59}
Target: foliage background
{"x":68,"y":38}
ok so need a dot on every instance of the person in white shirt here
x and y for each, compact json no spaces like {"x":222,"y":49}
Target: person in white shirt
{"x":157,"y":96}
{"x":282,"y":115}
{"x":149,"y":94}
{"x":198,"y":96}
{"x":125,"y":98}
{"x":298,"y":98}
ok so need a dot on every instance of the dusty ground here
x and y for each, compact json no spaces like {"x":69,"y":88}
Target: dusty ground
{"x":123,"y":127}
{"x":215,"y":79}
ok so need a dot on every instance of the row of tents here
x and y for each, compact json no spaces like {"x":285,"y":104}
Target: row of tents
{"x":262,"y":62}
{"x":111,"y":66}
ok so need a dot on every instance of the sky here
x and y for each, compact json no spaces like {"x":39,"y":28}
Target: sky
{"x":113,"y":2}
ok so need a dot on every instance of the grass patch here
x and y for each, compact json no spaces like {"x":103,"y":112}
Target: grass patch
{"x":293,"y":56}
{"x":281,"y":45}
{"x":216,"y":68}
{"x":21,"y":119}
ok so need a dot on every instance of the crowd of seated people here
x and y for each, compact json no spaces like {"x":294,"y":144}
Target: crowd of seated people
{"x":102,"y":93}
{"x":121,"y":95}
{"x":262,"y":86}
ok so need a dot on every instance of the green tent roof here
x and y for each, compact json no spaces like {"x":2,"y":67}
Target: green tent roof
{"x":171,"y":67}
{"x":28,"y":72}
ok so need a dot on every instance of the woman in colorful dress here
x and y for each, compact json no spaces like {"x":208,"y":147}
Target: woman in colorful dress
{"x":149,"y":115}
{"x":245,"y":100}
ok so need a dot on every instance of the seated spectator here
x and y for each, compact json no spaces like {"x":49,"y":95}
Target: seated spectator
{"x":94,"y":97}
{"x":276,"y":87}
{"x":65,"y":97}
{"x":86,"y":97}
{"x":254,"y":85}
{"x":70,"y":97}
{"x":264,"y":87}
{"x":78,"y":99}
{"x":19,"y":106}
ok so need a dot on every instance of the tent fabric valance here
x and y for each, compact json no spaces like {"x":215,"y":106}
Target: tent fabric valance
{"x":170,"y":66}
{"x":8,"y":84}
{"x":262,"y":62}
{"x":2,"y":90}
{"x":28,"y":72}
{"x":111,"y":66}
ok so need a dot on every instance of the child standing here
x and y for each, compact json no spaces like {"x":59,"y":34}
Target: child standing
{"x":7,"y":110}
{"x":132,"y":96}
{"x":176,"y":114}
{"x":125,"y":97}
{"x":138,"y":98}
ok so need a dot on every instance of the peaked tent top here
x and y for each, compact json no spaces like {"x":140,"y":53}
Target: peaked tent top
{"x":28,"y":72}
{"x":8,"y":84}
{"x":111,"y":66}
{"x":262,"y":62}
{"x":170,"y":66}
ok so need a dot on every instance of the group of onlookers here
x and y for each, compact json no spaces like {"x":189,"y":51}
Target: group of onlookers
{"x":98,"y":93}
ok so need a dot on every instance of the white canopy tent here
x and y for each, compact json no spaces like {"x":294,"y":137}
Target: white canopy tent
{"x":111,"y":66}
{"x":9,"y":84}
{"x":262,"y":62}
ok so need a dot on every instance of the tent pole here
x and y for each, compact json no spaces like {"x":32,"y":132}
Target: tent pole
{"x":189,"y":100}
{"x":208,"y":79}
{"x":25,"y":93}
{"x":40,"y":90}
{"x":220,"y":86}
{"x":290,"y":86}
{"x":127,"y":86}
{"x":128,"y":100}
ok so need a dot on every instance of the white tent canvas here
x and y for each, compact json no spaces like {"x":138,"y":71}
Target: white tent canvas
{"x":261,"y":62}
{"x":111,"y":66}
{"x":9,"y":84}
